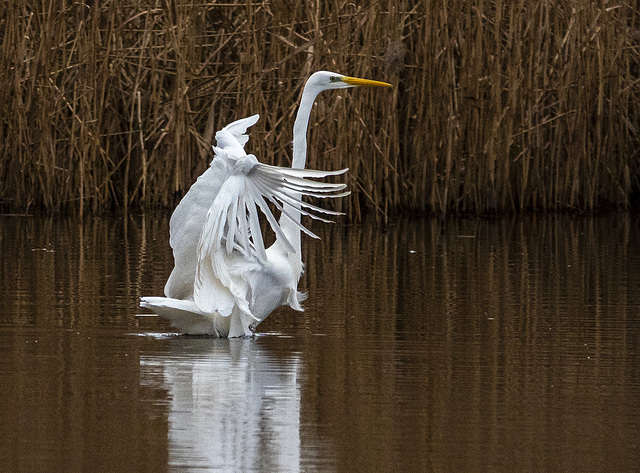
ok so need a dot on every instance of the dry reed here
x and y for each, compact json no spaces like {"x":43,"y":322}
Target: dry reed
{"x":498,"y":106}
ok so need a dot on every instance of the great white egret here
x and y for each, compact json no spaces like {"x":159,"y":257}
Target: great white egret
{"x":224,"y":281}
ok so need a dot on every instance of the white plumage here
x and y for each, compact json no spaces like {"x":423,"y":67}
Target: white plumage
{"x":225,"y":282}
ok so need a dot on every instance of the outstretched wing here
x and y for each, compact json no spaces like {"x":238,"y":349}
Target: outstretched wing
{"x":232,"y":138}
{"x":282,"y":185}
{"x":231,"y":247}
{"x":189,"y":216}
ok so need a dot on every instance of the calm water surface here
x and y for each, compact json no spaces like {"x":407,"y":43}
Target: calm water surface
{"x":506,"y":345}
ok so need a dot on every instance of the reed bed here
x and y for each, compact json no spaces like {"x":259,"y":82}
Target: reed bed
{"x":497,"y":106}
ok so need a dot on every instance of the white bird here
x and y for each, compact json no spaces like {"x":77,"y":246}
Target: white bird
{"x":224,"y":281}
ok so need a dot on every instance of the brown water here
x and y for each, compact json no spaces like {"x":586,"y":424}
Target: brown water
{"x":507,"y":345}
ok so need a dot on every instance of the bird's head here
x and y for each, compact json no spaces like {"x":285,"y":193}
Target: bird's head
{"x":325,"y":80}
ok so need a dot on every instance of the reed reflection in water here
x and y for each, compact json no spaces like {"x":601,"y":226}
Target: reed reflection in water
{"x":495,"y":345}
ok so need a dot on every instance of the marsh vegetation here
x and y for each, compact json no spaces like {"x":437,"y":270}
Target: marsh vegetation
{"x":498,"y":106}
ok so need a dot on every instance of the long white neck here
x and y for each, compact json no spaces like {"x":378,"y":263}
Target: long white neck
{"x":300,"y":126}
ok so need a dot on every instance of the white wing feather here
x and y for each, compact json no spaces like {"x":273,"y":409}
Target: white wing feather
{"x":189,"y":216}
{"x":233,"y":137}
{"x":231,"y":245}
{"x":237,"y":130}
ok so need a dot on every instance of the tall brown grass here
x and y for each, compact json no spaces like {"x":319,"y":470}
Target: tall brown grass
{"x":497,"y":106}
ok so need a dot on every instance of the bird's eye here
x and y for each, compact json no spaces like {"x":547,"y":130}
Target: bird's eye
{"x":334,"y":78}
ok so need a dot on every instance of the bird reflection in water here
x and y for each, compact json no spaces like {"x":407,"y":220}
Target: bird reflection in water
{"x":234,"y":406}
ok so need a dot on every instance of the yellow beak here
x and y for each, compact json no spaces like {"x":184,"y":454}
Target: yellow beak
{"x":364,"y":82}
